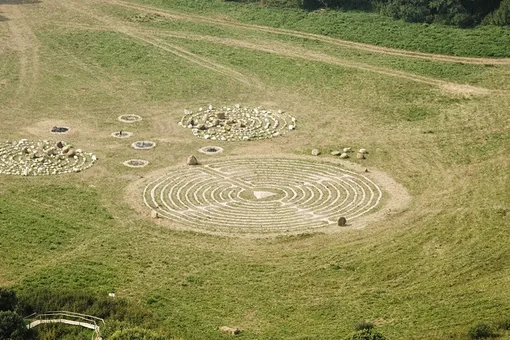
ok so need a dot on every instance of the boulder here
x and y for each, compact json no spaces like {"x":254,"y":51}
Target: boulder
{"x":192,"y":160}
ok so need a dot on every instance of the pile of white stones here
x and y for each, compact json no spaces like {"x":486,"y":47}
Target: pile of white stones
{"x":36,"y":158}
{"x":237,"y":123}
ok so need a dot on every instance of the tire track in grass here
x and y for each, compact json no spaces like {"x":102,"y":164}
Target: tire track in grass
{"x":276,"y":48}
{"x":140,"y":35}
{"x":311,"y":36}
{"x":26,"y":45}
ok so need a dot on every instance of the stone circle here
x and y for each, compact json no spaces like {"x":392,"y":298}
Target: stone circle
{"x":122,"y":134}
{"x":261,"y":195}
{"x":143,"y":145}
{"x":59,"y":129}
{"x":36,"y":158}
{"x":211,"y":150}
{"x":131,"y":118}
{"x":237,"y":123}
{"x":136,"y":163}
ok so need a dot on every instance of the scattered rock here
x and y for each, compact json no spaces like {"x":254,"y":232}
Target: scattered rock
{"x":192,"y":160}
{"x":316,"y":152}
{"x":230,"y":330}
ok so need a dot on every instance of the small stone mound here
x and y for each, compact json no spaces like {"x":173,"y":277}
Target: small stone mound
{"x":136,"y":163}
{"x":143,"y":145}
{"x":315,"y":152}
{"x":192,"y":160}
{"x":121,"y":134}
{"x":131,"y":118}
{"x":211,"y":150}
{"x":59,"y":129}
{"x":230,"y":330}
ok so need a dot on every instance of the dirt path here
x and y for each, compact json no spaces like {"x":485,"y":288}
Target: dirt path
{"x":26,"y":45}
{"x":139,"y":34}
{"x":332,"y":41}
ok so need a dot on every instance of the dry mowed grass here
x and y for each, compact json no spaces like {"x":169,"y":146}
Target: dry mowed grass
{"x":439,"y":128}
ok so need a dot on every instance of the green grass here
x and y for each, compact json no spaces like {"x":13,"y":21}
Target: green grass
{"x":430,"y":272}
{"x":483,"y":41}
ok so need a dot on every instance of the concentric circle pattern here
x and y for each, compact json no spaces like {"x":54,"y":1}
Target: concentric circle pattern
{"x":32,"y":158}
{"x":261,"y":195}
{"x":237,"y":123}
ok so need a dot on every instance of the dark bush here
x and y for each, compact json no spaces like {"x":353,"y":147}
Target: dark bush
{"x":8,"y":299}
{"x":13,"y":327}
{"x":366,"y":334}
{"x":363,"y":325}
{"x":481,"y":331}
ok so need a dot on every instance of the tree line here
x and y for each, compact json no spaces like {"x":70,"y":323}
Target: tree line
{"x":461,"y":13}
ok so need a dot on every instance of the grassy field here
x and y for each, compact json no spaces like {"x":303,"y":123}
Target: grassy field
{"x":438,"y":127}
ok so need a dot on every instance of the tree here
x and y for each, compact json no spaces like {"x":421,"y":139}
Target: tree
{"x":13,"y":327}
{"x":8,"y":299}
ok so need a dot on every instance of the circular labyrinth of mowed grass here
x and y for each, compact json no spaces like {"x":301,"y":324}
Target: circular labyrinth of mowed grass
{"x":37,"y":158}
{"x":237,"y":123}
{"x":261,"y":195}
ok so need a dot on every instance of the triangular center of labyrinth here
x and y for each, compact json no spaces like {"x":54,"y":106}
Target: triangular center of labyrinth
{"x":263,"y":194}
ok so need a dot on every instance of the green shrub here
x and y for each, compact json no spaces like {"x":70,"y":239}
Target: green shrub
{"x":8,"y":299}
{"x":363,"y":325}
{"x":13,"y":327}
{"x":136,"y":334}
{"x":366,"y":334}
{"x":481,"y":331}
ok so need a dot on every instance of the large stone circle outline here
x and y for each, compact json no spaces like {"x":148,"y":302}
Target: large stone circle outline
{"x":39,"y":158}
{"x":244,"y":123}
{"x":185,"y":205}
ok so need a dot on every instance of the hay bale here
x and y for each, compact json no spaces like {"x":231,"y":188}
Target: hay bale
{"x":344,"y":155}
{"x":230,"y":330}
{"x":336,"y":153}
{"x":154,"y":214}
{"x":315,"y":152}
{"x":363,"y":151}
{"x":192,"y":160}
{"x":360,"y":155}
{"x":347,"y":150}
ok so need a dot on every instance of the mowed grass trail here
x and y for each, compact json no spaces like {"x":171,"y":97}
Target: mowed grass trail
{"x":440,"y":129}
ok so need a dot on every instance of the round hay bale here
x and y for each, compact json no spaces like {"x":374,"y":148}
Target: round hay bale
{"x":363,"y":151}
{"x":336,"y":153}
{"x":154,"y":214}
{"x":347,"y":149}
{"x":344,"y":155}
{"x":342,"y":222}
{"x":316,"y":152}
{"x":192,"y":160}
{"x":360,"y":155}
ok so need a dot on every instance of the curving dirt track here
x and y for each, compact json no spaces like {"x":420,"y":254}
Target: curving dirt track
{"x":26,"y":46}
{"x":333,"y":41}
{"x":148,"y":36}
